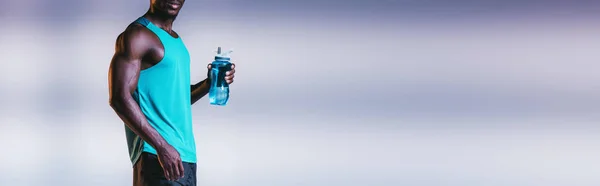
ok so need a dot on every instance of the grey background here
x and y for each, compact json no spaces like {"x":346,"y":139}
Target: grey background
{"x":355,"y":92}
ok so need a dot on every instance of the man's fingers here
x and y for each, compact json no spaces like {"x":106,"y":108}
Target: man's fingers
{"x":167,"y":173}
{"x":232,"y":71}
{"x":181,"y":170}
{"x":176,"y":172}
{"x":209,"y":66}
{"x":229,"y":78}
{"x":173,"y":173}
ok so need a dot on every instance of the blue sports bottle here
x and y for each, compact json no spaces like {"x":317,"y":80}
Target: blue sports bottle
{"x":219,"y":89}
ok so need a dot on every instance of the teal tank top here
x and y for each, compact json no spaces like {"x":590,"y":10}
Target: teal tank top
{"x":163,"y":94}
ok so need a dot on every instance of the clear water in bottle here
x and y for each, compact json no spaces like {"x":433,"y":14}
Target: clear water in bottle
{"x":219,"y":89}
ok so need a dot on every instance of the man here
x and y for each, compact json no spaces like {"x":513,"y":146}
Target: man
{"x":150,"y":90}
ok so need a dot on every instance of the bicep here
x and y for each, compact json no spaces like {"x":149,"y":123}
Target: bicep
{"x":124,"y":73}
{"x":131,"y":46}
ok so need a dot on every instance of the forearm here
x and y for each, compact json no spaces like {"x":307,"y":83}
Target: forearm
{"x":199,"y":90}
{"x":131,"y":114}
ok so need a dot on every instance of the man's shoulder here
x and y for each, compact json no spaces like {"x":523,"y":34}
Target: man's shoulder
{"x":136,"y":32}
{"x":139,"y":36}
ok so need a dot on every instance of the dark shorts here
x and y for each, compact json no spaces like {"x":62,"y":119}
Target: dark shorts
{"x":148,"y":172}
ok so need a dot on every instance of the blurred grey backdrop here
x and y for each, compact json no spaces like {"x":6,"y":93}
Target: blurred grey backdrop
{"x":336,"y":92}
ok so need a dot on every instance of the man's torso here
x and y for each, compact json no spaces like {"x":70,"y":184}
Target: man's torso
{"x":163,"y":94}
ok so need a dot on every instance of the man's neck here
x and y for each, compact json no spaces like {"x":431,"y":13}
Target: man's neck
{"x":163,"y":21}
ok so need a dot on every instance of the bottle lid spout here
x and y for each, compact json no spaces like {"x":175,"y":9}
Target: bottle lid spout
{"x":223,"y":54}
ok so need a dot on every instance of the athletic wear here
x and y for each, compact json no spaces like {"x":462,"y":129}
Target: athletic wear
{"x":163,"y":94}
{"x":148,"y":172}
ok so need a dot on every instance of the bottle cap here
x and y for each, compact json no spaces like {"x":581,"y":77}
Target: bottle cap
{"x":223,"y":55}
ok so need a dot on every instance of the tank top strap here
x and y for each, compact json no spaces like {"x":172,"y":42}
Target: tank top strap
{"x":142,"y":21}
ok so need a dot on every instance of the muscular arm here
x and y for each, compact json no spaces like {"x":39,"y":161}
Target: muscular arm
{"x":123,"y":77}
{"x":199,"y":90}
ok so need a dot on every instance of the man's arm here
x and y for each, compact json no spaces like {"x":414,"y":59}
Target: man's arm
{"x":200,"y":89}
{"x":124,"y":72}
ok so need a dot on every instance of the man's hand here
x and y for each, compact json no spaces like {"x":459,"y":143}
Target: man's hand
{"x":171,"y":162}
{"x":229,"y":75}
{"x":202,"y":88}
